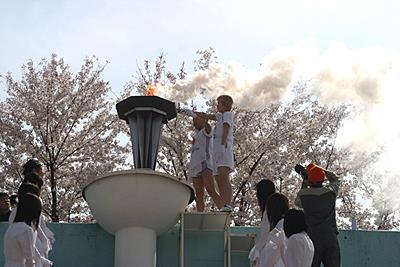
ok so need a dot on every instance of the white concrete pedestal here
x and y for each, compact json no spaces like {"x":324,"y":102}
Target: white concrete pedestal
{"x":135,"y":246}
{"x":136,"y":206}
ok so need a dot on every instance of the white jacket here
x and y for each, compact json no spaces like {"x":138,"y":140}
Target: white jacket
{"x":254,"y":254}
{"x":271,"y":254}
{"x":299,"y":251}
{"x":44,"y":240}
{"x":19,"y":246}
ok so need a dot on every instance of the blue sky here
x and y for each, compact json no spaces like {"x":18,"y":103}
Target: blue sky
{"x":125,"y":32}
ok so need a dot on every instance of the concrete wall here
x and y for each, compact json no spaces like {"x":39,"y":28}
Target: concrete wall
{"x":87,"y":245}
{"x":78,"y":245}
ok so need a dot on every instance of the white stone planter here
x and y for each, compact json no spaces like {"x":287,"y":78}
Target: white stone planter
{"x":137,"y":205}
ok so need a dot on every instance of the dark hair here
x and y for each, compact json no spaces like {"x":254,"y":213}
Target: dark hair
{"x":30,"y":165}
{"x":295,"y":222}
{"x":226,"y":99}
{"x":28,"y":188}
{"x":28,"y":210}
{"x":3,"y":194}
{"x":277,"y":206}
{"x":265,"y":188}
{"x":13,"y":199}
{"x":33,"y":178}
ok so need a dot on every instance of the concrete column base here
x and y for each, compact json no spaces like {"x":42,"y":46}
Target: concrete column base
{"x":135,"y":247}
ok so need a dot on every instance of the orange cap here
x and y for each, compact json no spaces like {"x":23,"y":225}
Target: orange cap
{"x":309,"y":166}
{"x":315,"y":174}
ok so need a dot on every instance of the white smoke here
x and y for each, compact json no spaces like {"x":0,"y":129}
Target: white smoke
{"x":356,"y":76}
{"x":366,"y":78}
{"x":249,"y":88}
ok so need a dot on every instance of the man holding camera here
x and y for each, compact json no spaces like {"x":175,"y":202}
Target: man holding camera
{"x":318,"y":200}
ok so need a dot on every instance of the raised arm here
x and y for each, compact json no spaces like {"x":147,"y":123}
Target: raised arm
{"x":334,"y":181}
{"x":297,"y":201}
{"x":206,"y":116}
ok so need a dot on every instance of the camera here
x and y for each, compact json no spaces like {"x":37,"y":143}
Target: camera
{"x":302,"y":171}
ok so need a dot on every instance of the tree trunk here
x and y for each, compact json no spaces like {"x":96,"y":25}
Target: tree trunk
{"x":53,"y":186}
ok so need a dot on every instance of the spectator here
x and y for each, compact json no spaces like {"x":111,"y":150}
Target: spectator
{"x":273,"y":250}
{"x":318,"y":200}
{"x":300,"y":249}
{"x":264,"y":189}
{"x":13,"y":200}
{"x":5,"y":207}
{"x":19,"y":239}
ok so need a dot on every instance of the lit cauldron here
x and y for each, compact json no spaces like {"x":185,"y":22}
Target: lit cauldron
{"x":137,"y":205}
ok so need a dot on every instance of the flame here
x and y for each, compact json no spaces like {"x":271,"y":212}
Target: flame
{"x":151,"y":90}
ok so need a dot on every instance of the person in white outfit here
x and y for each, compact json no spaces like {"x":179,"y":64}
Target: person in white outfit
{"x":36,"y":167}
{"x":223,"y":148}
{"x":272,"y":252}
{"x":300,"y":249}
{"x":20,"y":237}
{"x":43,"y":243}
{"x":201,"y":162}
{"x":264,"y":189}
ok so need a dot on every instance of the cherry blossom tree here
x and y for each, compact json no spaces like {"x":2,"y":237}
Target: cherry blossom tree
{"x":66,"y":121}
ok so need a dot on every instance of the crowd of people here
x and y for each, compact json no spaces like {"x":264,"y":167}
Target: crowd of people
{"x":300,"y":236}
{"x":304,"y":235}
{"x":27,"y":240}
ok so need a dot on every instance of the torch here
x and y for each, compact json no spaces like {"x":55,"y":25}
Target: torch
{"x":301,"y":170}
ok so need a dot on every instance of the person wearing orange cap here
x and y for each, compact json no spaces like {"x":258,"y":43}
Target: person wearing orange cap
{"x":318,"y":200}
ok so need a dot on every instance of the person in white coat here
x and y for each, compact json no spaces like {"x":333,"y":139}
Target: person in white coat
{"x":43,"y":243}
{"x":300,"y":249}
{"x":20,"y":237}
{"x":264,"y":189}
{"x":33,"y":172}
{"x":274,"y":248}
